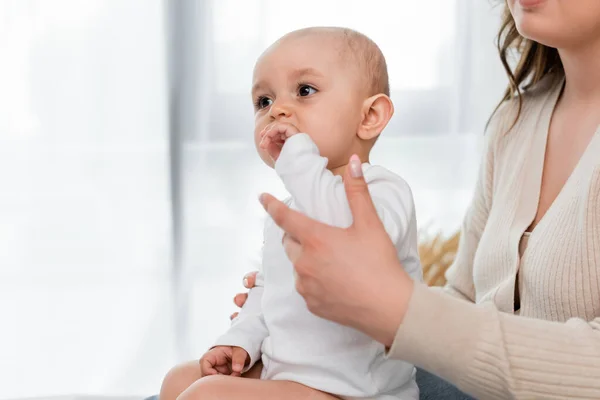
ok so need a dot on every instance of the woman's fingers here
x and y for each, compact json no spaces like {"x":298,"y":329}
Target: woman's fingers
{"x":240,"y":299}
{"x":360,"y":202}
{"x":250,"y":280}
{"x":232,"y":316}
{"x":292,"y":247}
{"x":292,"y":222}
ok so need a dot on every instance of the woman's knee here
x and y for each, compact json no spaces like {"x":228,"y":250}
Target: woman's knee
{"x":178,"y":379}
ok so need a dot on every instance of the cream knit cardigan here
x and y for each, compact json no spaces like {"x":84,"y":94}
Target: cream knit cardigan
{"x":468,"y":334}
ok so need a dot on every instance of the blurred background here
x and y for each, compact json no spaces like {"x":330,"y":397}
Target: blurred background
{"x":129,"y":180}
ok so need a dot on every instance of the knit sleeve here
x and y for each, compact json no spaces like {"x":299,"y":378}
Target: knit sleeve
{"x":494,"y":355}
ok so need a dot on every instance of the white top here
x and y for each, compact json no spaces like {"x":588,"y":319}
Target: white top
{"x":275,"y":322}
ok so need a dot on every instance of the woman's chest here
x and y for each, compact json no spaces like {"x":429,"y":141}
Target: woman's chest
{"x":559,"y":273}
{"x":566,"y":147}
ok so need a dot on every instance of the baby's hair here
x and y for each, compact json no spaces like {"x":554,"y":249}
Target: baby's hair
{"x":369,"y":56}
{"x":357,"y":48}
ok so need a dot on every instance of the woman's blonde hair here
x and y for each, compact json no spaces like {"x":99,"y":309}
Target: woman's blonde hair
{"x":535,"y":60}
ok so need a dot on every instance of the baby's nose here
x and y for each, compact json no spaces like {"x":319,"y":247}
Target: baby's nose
{"x":281,"y":110}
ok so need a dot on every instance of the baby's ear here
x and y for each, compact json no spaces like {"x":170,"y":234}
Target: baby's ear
{"x":376,"y":113}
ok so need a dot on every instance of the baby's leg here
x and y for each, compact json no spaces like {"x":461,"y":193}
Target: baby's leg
{"x":223,"y":387}
{"x":180,"y":377}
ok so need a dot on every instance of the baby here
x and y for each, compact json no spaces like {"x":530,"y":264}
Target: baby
{"x":320,"y":95}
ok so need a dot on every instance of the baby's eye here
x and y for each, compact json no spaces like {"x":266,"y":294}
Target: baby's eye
{"x":306,"y":90}
{"x":263,"y":102}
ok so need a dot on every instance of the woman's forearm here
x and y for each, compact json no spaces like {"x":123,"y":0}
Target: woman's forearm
{"x":491,"y":354}
{"x":380,"y":315}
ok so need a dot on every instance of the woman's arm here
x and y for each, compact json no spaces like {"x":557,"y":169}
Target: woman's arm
{"x":351,"y":276}
{"x":494,"y":355}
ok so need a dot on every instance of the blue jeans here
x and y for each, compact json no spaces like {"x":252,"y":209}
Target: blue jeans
{"x":431,"y":387}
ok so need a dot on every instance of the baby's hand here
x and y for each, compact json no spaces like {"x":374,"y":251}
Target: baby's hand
{"x":274,"y":136}
{"x":224,"y":360}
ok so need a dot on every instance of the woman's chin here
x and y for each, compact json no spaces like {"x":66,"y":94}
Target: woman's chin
{"x":550,"y":27}
{"x":540,"y":31}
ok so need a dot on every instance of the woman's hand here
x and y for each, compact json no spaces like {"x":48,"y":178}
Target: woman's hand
{"x":351,"y":276}
{"x":240,"y":298}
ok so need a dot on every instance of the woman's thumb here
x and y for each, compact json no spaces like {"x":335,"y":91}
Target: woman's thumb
{"x":357,"y":192}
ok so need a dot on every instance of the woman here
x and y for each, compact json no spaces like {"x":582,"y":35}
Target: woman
{"x":520,"y":315}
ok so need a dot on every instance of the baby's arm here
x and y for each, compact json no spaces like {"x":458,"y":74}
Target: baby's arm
{"x":248,"y":329}
{"x":321,"y":195}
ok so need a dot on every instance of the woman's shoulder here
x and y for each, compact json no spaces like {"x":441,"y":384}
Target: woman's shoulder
{"x":516,"y":115}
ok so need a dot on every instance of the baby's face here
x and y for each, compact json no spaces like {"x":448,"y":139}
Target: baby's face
{"x":303,"y":81}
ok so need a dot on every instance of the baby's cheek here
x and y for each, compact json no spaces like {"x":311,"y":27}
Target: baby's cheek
{"x":334,"y":145}
{"x":327,"y":148}
{"x":262,"y":153}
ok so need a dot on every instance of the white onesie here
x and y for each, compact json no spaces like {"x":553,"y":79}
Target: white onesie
{"x":275,"y":323}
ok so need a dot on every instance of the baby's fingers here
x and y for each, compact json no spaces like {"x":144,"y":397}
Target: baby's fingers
{"x":265,"y":142}
{"x":223,"y":369}
{"x":238,"y":360}
{"x":274,"y":150}
{"x":265,"y":129}
{"x":277,"y":130}
{"x":207,"y":367}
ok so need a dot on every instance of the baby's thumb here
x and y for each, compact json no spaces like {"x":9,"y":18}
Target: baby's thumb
{"x":238,"y":359}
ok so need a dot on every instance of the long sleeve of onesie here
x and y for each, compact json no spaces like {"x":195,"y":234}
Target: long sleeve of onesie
{"x":319,"y":194}
{"x":248,"y":329}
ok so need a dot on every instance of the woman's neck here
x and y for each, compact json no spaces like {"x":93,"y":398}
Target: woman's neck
{"x":582,"y":71}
